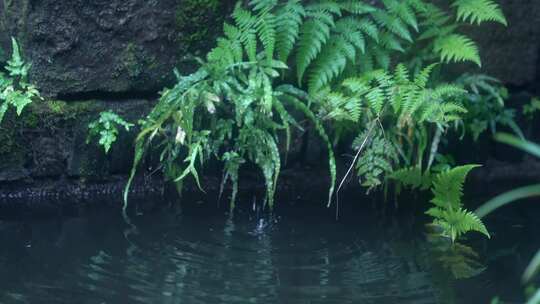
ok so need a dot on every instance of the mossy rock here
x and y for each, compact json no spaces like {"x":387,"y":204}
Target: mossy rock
{"x":80,"y":47}
{"x":49,"y":140}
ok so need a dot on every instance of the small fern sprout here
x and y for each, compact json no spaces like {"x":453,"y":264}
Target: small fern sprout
{"x":15,"y":90}
{"x":106,"y":129}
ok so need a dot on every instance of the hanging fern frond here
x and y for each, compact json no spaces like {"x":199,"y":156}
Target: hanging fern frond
{"x":478,"y":11}
{"x":457,"y":48}
{"x":357,"y":7}
{"x":292,"y":97}
{"x":266,"y":29}
{"x":393,"y":24}
{"x":404,"y":10}
{"x":288,"y":20}
{"x":376,"y":161}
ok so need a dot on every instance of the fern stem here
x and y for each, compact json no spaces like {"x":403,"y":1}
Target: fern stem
{"x":364,"y":142}
{"x":434,"y":146}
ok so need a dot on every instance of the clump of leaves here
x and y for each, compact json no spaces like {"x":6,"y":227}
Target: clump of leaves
{"x":403,"y":108}
{"x":15,"y":90}
{"x":231,"y":108}
{"x":106,"y":128}
{"x":485,"y":102}
{"x":532,"y":108}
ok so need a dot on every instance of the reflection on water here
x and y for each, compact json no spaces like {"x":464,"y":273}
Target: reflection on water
{"x":208,"y":259}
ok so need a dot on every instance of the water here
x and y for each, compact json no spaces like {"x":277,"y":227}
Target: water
{"x":295,"y":257}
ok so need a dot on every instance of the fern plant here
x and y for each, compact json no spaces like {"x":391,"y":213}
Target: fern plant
{"x":450,"y":218}
{"x":341,"y":55}
{"x":448,"y":212}
{"x":231,"y":109}
{"x":15,"y":90}
{"x":403,"y":108}
{"x":106,"y":128}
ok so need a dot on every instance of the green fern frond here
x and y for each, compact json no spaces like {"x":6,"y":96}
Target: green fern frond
{"x":413,"y":177}
{"x":478,"y":11}
{"x":375,"y":99}
{"x":370,"y":28}
{"x":393,"y":24}
{"x":330,"y":63}
{"x":349,"y":28}
{"x":390,"y":42}
{"x":266,"y":30}
{"x":289,"y":19}
{"x":313,"y":34}
{"x":376,"y":160}
{"x":403,"y":10}
{"x":401,"y":73}
{"x":357,"y":7}
{"x":448,"y":90}
{"x":422,"y":78}
{"x":448,"y":187}
{"x":341,"y":107}
{"x":326,"y":6}
{"x":382,"y":57}
{"x":258,"y":5}
{"x":243,"y":18}
{"x":456,"y":223}
{"x":457,"y":48}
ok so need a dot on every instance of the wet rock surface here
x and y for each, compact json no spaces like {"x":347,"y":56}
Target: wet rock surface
{"x":109,"y":46}
{"x":49,"y":141}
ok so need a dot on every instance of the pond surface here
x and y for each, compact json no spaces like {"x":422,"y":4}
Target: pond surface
{"x":197,"y":257}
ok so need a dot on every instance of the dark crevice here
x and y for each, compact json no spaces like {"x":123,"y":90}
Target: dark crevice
{"x":109,"y":96}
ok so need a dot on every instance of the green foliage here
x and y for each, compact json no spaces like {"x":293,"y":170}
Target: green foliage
{"x":448,"y":212}
{"x":403,"y":106}
{"x":337,"y":35}
{"x":15,"y":90}
{"x":477,"y":11}
{"x":441,"y":31}
{"x":230,"y":108}
{"x":239,"y":104}
{"x":106,"y":128}
{"x":485,"y":103}
{"x":449,"y":216}
{"x":378,"y":159}
{"x":457,"y":48}
{"x":413,"y":177}
{"x":532,"y":108}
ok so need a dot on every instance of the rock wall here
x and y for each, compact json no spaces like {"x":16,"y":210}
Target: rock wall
{"x":512,"y":53}
{"x":93,"y":46}
{"x":49,"y":141}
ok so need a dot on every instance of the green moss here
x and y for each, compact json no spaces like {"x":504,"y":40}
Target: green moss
{"x":192,"y":20}
{"x":130,"y":60}
{"x":57,"y":107}
{"x":134,"y":60}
